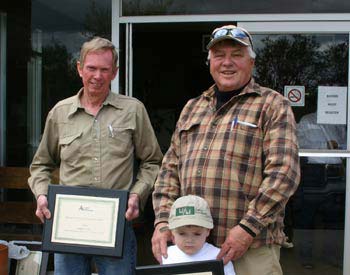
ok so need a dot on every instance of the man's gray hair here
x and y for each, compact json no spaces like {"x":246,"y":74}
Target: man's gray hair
{"x":251,"y":52}
{"x":98,"y":44}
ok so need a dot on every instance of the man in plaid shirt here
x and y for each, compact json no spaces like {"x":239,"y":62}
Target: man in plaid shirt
{"x":235,"y":146}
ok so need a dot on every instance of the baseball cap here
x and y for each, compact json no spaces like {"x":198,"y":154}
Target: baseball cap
{"x":190,"y":210}
{"x":230,"y":32}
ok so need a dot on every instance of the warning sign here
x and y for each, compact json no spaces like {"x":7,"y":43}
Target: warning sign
{"x":295,"y":95}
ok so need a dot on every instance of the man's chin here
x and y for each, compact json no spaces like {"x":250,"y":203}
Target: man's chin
{"x":96,"y":90}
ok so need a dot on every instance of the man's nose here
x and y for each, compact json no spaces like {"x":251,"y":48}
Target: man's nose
{"x":228,"y":60}
{"x":98,"y":74}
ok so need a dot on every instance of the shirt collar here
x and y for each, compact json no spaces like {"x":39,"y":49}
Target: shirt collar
{"x":110,"y":100}
{"x":76,"y":103}
{"x":251,"y":88}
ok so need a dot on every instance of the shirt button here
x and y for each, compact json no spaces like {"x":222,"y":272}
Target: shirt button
{"x":95,"y":159}
{"x":96,"y":178}
{"x":205,"y":148}
{"x":199,"y":172}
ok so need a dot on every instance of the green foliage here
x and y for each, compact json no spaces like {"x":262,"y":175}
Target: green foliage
{"x":335,"y":67}
{"x":98,"y":21}
{"x":300,"y":60}
{"x":288,"y":61}
{"x":60,"y":78}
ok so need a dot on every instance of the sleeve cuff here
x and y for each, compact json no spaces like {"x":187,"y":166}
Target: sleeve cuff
{"x":247,"y":229}
{"x":252,"y":224}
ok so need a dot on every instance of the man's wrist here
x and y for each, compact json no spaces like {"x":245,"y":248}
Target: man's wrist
{"x":247,"y":229}
{"x":41,"y":195}
{"x":162,"y":226}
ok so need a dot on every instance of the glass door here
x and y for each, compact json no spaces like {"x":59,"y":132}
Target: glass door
{"x":311,"y":69}
{"x":307,"y":62}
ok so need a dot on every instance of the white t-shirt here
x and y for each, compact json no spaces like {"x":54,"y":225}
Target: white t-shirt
{"x":206,"y":253}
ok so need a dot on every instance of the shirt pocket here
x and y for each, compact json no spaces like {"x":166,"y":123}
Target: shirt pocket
{"x":246,"y":144}
{"x":70,"y":147}
{"x":120,"y":141}
{"x":189,"y":136}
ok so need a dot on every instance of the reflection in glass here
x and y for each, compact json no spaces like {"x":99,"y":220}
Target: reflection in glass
{"x":317,"y":210}
{"x":65,"y":26}
{"x":314,"y":135}
{"x":44,"y":39}
{"x":315,"y":214}
{"x":312,"y":61}
{"x":172,"y":7}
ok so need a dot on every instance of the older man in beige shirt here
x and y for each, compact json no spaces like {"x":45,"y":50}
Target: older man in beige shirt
{"x":93,"y":137}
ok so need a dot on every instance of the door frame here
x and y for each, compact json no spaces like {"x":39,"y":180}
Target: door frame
{"x":3,"y":92}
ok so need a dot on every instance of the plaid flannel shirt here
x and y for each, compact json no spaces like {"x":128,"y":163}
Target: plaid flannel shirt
{"x":243,"y":159}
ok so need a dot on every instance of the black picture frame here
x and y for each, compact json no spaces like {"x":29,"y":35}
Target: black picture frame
{"x":212,"y":267}
{"x":76,"y":248}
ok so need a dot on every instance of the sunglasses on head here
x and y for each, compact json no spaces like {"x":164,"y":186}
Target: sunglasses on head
{"x":234,"y":32}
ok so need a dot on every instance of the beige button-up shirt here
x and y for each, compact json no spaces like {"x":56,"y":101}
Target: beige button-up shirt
{"x":98,"y":151}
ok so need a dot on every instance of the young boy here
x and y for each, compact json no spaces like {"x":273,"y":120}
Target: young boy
{"x":190,"y":223}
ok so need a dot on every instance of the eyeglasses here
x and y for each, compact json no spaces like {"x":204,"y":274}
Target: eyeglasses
{"x":234,"y":32}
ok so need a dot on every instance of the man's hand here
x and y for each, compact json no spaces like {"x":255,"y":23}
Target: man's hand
{"x":133,"y":210}
{"x":159,"y":242}
{"x":42,"y":212}
{"x":235,"y":245}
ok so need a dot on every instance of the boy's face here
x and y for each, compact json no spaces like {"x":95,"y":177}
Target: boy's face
{"x":190,"y":238}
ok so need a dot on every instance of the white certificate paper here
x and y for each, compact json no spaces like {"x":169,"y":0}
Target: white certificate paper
{"x":85,"y":220}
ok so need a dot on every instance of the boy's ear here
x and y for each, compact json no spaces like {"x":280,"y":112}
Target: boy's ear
{"x":172,"y":238}
{"x":208,"y":232}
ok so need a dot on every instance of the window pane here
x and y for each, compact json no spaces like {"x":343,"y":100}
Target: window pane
{"x":316,"y":62}
{"x":315,"y":217}
{"x":172,"y":7}
{"x":43,"y":43}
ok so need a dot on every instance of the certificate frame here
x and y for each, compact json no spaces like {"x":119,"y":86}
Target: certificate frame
{"x":101,"y":205}
{"x":210,"y":267}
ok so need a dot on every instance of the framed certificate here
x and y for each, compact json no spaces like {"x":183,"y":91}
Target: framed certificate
{"x":85,"y":221}
{"x":212,"y":267}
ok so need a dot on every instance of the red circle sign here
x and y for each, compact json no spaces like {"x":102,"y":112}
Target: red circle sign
{"x":294,"y":95}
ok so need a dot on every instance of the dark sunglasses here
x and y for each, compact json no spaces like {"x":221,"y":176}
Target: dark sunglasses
{"x":236,"y":33}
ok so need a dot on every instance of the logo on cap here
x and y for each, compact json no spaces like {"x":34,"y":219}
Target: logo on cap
{"x":185,"y":211}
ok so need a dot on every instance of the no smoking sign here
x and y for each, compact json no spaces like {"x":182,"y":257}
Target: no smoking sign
{"x":295,"y":95}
